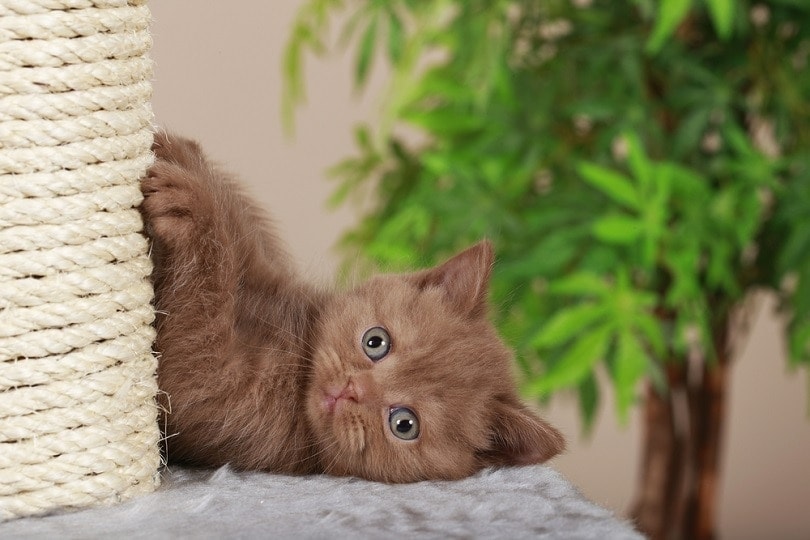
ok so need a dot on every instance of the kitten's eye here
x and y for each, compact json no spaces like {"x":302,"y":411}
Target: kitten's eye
{"x":376,"y":343}
{"x":403,"y":423}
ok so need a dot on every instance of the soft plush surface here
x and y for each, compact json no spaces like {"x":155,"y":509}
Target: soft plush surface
{"x":526,"y":502}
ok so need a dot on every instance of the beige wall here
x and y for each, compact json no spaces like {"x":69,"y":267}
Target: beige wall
{"x":218,"y":80}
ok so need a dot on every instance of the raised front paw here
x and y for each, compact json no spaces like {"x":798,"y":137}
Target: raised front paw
{"x":174,"y":207}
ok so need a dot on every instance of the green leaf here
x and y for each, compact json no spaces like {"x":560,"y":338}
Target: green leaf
{"x":794,"y":249}
{"x":690,"y":131}
{"x":365,"y":53}
{"x":588,"y":401}
{"x":567,"y":324}
{"x":396,"y":38}
{"x":445,"y":121}
{"x":546,"y":257}
{"x":613,"y":184}
{"x":799,"y":342}
{"x":670,"y":15}
{"x":683,"y":262}
{"x":393,"y":240}
{"x":650,"y":327}
{"x":685,"y":184}
{"x":630,"y":365}
{"x":362,"y":137}
{"x":720,"y":272}
{"x":617,"y":229}
{"x":309,"y":26}
{"x":438,"y":84}
{"x":722,"y":13}
{"x":639,"y":164}
{"x":575,"y":364}
{"x":582,"y":283}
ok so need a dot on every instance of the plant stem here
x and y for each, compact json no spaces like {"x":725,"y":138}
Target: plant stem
{"x":707,"y":403}
{"x":677,"y":493}
{"x":657,"y":507}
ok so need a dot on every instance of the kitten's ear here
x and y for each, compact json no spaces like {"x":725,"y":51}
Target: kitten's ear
{"x":464,"y":278}
{"x":520,"y":437}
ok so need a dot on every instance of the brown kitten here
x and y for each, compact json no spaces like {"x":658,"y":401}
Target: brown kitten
{"x":400,"y":379}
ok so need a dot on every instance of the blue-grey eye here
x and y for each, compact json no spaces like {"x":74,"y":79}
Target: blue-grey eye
{"x":403,"y":423}
{"x":376,"y":343}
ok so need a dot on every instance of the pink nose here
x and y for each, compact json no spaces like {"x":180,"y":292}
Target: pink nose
{"x":333,"y":395}
{"x":349,"y":392}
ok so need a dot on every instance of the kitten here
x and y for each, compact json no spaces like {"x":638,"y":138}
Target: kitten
{"x":400,"y":379}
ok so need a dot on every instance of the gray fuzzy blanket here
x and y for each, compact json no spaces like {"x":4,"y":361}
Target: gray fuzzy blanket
{"x":524,"y":502}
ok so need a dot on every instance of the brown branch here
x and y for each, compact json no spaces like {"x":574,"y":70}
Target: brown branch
{"x":657,"y":509}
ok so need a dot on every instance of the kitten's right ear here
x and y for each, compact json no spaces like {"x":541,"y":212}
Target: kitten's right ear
{"x":520,"y":437}
{"x":463,"y":278}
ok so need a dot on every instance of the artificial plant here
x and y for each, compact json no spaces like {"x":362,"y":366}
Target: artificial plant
{"x":641,"y":166}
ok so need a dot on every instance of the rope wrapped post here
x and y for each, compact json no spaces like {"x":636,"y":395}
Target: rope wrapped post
{"x":78,"y":418}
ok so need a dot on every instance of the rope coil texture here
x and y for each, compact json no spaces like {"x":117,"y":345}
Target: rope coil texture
{"x":78,"y":419}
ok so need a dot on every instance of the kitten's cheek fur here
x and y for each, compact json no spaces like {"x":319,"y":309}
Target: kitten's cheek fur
{"x":324,"y":422}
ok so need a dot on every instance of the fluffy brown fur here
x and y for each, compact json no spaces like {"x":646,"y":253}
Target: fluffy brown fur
{"x":263,"y":371}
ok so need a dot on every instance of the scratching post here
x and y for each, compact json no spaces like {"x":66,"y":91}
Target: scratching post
{"x":78,"y":420}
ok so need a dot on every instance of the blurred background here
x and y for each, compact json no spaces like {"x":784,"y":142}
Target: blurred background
{"x":219,"y":80}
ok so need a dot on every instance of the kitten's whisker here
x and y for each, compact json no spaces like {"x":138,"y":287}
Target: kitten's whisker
{"x":339,"y":456}
{"x":313,"y":455}
{"x":283,"y":329}
{"x":285,"y":352}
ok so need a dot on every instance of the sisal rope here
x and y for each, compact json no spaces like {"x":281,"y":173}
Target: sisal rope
{"x":78,"y":419}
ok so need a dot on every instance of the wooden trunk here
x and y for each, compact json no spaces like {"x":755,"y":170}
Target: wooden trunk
{"x":680,"y":464}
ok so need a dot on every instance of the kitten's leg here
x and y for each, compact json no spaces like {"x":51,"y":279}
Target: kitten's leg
{"x":229,"y":309}
{"x":189,"y":213}
{"x":190,"y":247}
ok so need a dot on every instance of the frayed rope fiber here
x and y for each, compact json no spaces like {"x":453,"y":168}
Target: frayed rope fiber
{"x":78,"y":419}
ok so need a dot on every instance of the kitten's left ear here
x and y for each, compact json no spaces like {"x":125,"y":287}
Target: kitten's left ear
{"x":520,"y":437}
{"x":464,"y":278}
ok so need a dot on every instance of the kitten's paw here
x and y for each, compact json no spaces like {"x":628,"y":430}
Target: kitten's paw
{"x":173,"y":207}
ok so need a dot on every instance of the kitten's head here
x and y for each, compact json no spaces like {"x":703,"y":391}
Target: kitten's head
{"x":410,"y":380}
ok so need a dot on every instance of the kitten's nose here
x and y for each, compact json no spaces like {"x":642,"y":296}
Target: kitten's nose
{"x":350,"y":392}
